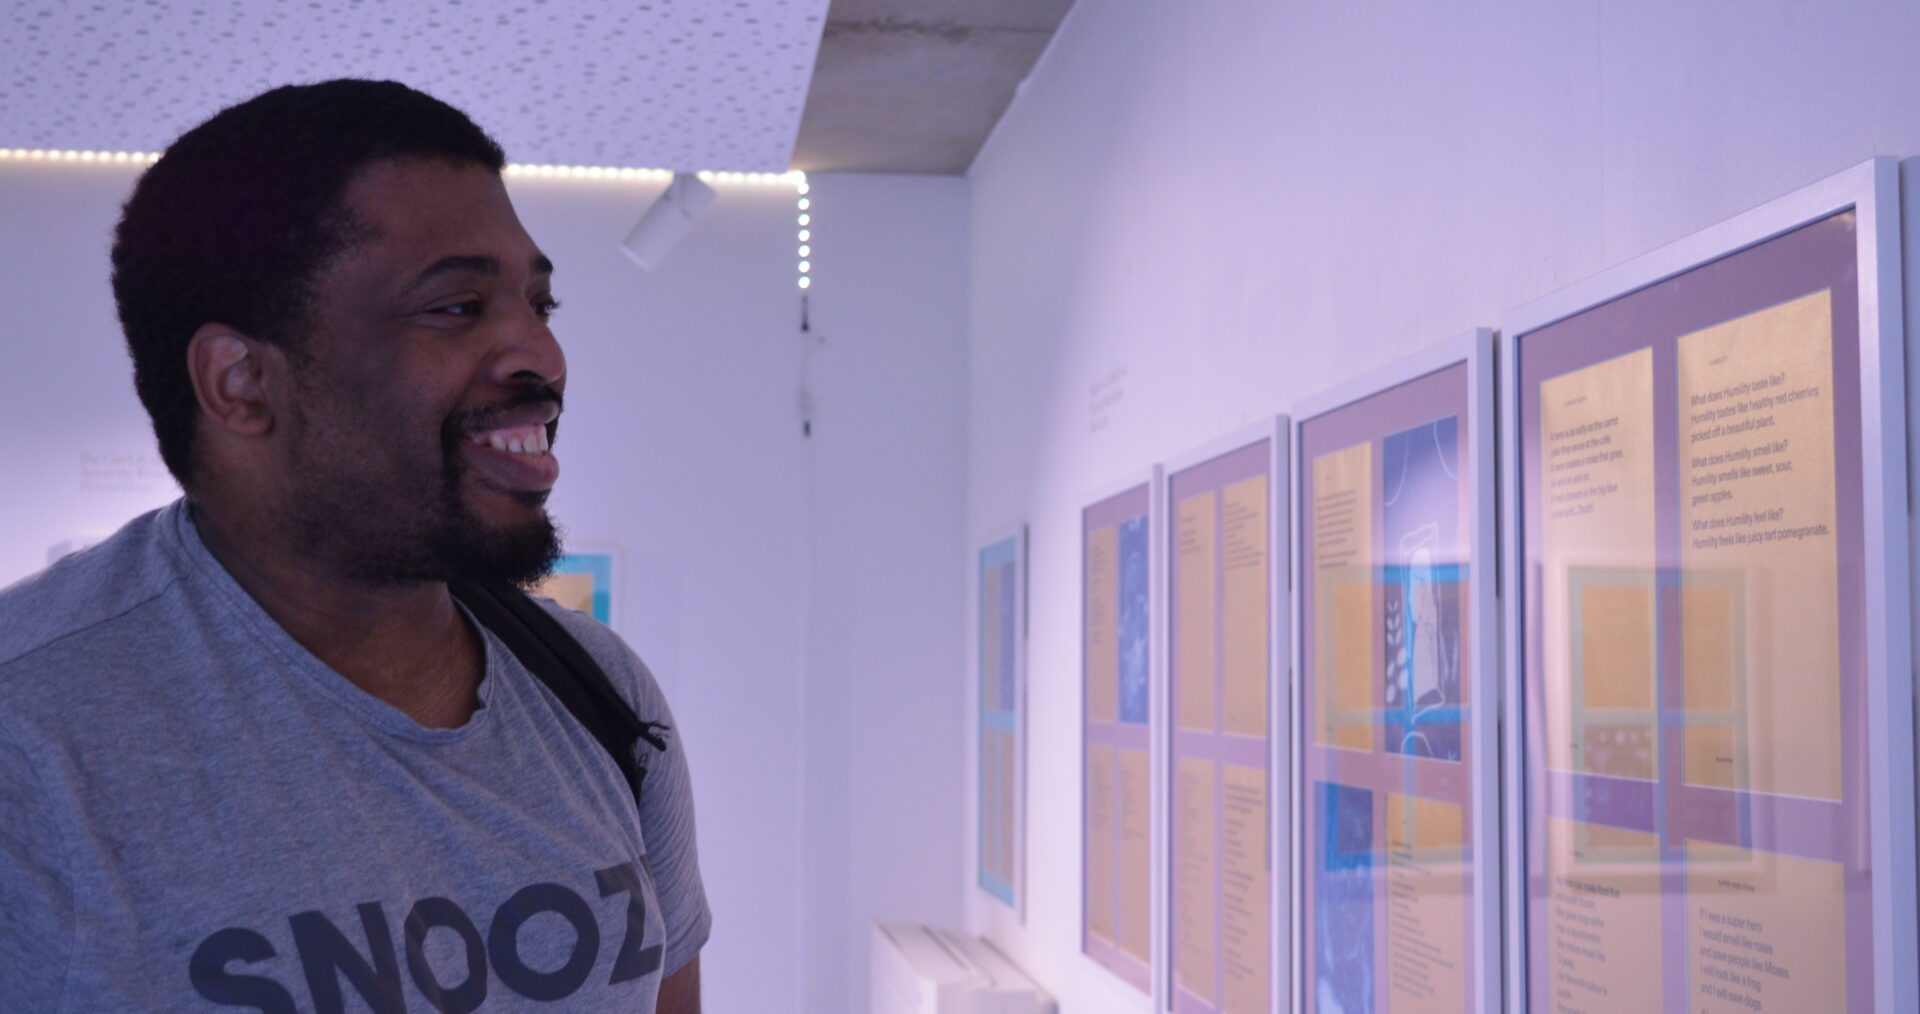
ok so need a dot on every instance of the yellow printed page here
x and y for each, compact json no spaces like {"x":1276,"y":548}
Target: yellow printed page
{"x":1767,"y":933}
{"x":1345,"y":634}
{"x":1194,"y":611}
{"x":1136,"y":858}
{"x":1597,"y":593}
{"x":1099,"y":842}
{"x":1426,"y":904}
{"x":574,"y":591}
{"x":1246,"y":891}
{"x":1009,"y":807}
{"x":1193,"y":829}
{"x":1102,"y":648}
{"x":1245,"y":607}
{"x":1761,"y":608}
{"x":1603,"y":919}
{"x":990,"y":802}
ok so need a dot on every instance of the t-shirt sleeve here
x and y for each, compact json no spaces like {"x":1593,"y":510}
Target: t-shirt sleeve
{"x":36,"y":906}
{"x":667,"y":825}
{"x":666,"y":796}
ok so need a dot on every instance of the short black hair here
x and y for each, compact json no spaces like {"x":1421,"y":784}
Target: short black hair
{"x":238,"y":217}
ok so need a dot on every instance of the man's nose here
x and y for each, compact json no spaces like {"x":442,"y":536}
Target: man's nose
{"x":531,"y":354}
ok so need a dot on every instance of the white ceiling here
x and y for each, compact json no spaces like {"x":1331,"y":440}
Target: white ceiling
{"x":676,"y":84}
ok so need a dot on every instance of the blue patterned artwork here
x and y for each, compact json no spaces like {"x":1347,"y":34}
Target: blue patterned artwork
{"x":1135,"y":614}
{"x":1343,"y":901}
{"x":1422,"y":578}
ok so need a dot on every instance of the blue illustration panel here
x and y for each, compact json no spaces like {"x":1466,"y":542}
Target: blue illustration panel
{"x":1134,"y":617}
{"x":1343,"y":901}
{"x":1423,"y":577}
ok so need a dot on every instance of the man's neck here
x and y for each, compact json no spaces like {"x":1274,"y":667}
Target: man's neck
{"x":407,"y":645}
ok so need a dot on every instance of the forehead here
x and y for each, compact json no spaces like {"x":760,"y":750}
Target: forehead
{"x":421,"y":210}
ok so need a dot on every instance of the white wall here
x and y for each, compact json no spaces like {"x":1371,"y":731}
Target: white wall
{"x":681,"y":447}
{"x":884,"y":738}
{"x":1203,"y":212}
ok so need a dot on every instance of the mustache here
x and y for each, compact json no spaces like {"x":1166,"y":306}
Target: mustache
{"x":485,"y":417}
{"x":488,"y":416}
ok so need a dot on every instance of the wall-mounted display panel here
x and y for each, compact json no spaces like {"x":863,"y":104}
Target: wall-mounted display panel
{"x":1119,"y":560}
{"x":1001,"y":648}
{"x":1396,"y":726}
{"x":583,"y":581}
{"x":1226,"y":581}
{"x":1708,"y":639}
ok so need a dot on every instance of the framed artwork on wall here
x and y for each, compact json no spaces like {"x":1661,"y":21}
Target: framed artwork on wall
{"x":1396,"y":788}
{"x":1710,"y":684}
{"x":1227,"y":658}
{"x":1120,"y":713}
{"x":1001,"y":718}
{"x":584,"y":582}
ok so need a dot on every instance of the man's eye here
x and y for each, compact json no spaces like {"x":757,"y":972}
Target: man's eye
{"x":546,"y":307}
{"x":468,"y":308}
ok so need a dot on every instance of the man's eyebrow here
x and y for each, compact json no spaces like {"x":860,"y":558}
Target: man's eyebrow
{"x":458,"y":262}
{"x":479,"y":263}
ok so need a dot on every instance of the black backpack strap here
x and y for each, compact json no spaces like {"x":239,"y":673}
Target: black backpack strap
{"x":545,"y":648}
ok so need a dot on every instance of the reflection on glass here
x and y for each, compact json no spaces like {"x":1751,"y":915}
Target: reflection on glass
{"x":1612,"y":719}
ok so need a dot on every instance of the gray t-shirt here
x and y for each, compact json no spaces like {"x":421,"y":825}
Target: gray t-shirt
{"x":195,"y":812}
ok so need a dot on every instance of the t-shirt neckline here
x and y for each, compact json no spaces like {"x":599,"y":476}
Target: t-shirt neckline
{"x":200,"y":563}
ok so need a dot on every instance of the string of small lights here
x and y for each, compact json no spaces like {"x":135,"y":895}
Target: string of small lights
{"x":795,"y":179}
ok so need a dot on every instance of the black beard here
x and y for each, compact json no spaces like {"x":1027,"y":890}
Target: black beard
{"x":383,"y":536}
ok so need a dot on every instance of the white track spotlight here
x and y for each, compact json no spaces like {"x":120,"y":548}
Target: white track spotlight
{"x":667,"y":222}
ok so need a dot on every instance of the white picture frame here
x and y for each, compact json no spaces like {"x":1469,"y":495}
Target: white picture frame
{"x":1871,"y":190}
{"x":986,"y":554}
{"x":1475,"y":350}
{"x":1153,"y":479}
{"x":1277,"y":431}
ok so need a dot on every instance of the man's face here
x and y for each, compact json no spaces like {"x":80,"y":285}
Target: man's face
{"x":429,"y":388}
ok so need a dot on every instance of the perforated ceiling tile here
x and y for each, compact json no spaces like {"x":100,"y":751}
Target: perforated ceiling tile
{"x":678,"y":84}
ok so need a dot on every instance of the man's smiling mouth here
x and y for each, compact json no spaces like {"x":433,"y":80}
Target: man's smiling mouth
{"x":512,"y":449}
{"x":526,"y":429}
{"x":514,"y":439}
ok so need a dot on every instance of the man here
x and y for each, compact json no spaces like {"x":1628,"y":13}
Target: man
{"x":253,"y":752}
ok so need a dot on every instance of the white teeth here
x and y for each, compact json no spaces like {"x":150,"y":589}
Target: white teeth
{"x":524,"y":440}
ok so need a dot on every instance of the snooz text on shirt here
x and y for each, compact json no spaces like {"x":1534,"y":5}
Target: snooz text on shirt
{"x":241,"y":967}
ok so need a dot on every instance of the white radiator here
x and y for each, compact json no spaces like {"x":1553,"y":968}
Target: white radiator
{"x":926,"y":970}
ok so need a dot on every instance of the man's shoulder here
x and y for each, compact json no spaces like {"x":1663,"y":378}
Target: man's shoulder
{"x":629,"y":674}
{"x":86,"y":592}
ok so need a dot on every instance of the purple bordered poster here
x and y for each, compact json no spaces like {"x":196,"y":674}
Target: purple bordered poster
{"x":1221,"y":538}
{"x":1117,"y":771}
{"x":1388,"y":524}
{"x":1694,"y":644}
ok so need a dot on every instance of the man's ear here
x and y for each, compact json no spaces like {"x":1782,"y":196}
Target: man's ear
{"x":234,"y":379}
